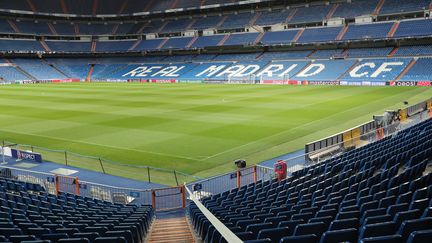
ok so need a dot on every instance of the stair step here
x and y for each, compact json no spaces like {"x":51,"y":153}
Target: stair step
{"x":182,"y":231}
{"x":165,"y":227}
{"x":171,"y":230}
{"x":171,"y":236}
{"x":168,"y":241}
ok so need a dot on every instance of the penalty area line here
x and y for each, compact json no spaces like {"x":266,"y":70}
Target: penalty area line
{"x":104,"y":145}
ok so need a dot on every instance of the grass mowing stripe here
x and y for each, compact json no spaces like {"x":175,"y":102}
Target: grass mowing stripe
{"x":179,"y":126}
{"x":298,"y":139}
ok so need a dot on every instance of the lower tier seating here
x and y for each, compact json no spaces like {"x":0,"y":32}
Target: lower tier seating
{"x":378,"y":193}
{"x":29,"y":213}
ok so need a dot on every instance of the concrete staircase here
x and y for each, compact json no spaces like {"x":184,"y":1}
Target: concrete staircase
{"x":259,"y":37}
{"x":13,"y":26}
{"x":95,"y":6}
{"x":64,"y":7}
{"x":332,"y":11}
{"x":76,"y":28}
{"x":122,"y":8}
{"x":32,"y":6}
{"x":342,"y":33}
{"x":114,"y":30}
{"x":135,"y":45}
{"x":88,"y":78}
{"x":162,"y":43}
{"x":393,"y":52}
{"x":378,"y":7}
{"x":52,"y":29}
{"x":392,"y":31}
{"x":162,"y":27}
{"x":93,"y":46}
{"x":191,"y":42}
{"x":410,"y":65}
{"x":149,"y":4}
{"x":299,"y":33}
{"x":220,"y":23}
{"x":171,"y":230}
{"x":224,"y":39}
{"x":173,"y":4}
{"x":44,"y":45}
{"x":254,"y":19}
{"x":291,"y":15}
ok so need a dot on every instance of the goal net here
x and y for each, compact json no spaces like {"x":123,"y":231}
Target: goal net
{"x":250,"y":79}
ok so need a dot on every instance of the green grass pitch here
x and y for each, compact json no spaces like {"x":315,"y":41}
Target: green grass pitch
{"x":196,"y":129}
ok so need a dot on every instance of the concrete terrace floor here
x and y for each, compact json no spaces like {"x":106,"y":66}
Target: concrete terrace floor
{"x":83,"y":175}
{"x":293,"y":159}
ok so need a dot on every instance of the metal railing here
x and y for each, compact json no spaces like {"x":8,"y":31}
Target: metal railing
{"x":227,"y":181}
{"x":143,"y":173}
{"x":55,"y":183}
{"x":356,"y":142}
{"x":225,"y":232}
{"x":329,"y":142}
{"x":169,"y":198}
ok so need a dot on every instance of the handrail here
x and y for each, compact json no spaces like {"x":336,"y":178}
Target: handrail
{"x":69,"y":158}
{"x":219,"y":226}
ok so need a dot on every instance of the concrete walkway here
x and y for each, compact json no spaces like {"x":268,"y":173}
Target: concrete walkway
{"x":171,"y":226}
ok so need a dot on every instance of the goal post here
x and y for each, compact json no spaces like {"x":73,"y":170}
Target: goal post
{"x":249,"y":79}
{"x":266,"y":79}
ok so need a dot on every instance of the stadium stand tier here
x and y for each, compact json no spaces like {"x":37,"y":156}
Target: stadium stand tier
{"x":29,"y":213}
{"x":109,"y":7}
{"x":372,"y":194}
{"x":353,"y":9}
{"x":349,"y":65}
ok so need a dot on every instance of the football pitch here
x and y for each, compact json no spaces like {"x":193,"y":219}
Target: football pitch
{"x":195,"y":129}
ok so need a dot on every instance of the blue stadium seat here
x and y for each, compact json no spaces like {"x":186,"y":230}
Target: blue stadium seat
{"x":291,"y":224}
{"x":383,"y":239}
{"x":256,"y":228}
{"x":38,"y":232}
{"x":258,"y":241}
{"x":36,"y":241}
{"x":421,"y":204}
{"x":421,"y":27}
{"x":90,"y":236}
{"x":349,"y":10}
{"x":420,"y":236}
{"x":98,"y":229}
{"x":300,"y":239}
{"x":377,"y":219}
{"x":20,"y":238}
{"x":378,"y":229}
{"x":339,"y":236}
{"x":391,"y":7}
{"x":11,"y":231}
{"x":367,"y":31}
{"x":274,"y":234}
{"x":406,"y":215}
{"x":127,"y":234}
{"x":348,"y":215}
{"x":54,"y":237}
{"x":344,"y":224}
{"x":317,"y":229}
{"x":247,"y":235}
{"x":410,"y":226}
{"x":427,"y":212}
{"x":110,"y":240}
{"x":74,"y":240}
